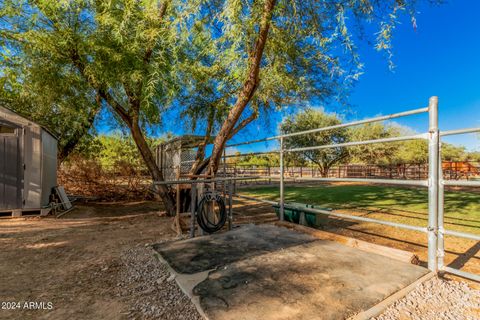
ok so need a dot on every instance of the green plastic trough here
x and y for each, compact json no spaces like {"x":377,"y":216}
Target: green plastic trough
{"x":292,"y":211}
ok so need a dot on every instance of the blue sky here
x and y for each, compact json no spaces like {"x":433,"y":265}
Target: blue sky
{"x":441,"y":57}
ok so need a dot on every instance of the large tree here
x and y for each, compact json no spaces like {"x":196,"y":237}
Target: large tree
{"x":119,"y":53}
{"x":223,"y":62}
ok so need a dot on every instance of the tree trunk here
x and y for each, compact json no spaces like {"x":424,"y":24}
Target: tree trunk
{"x":324,"y":171}
{"x":154,"y":170}
{"x":131,"y":119}
{"x":248,"y":89}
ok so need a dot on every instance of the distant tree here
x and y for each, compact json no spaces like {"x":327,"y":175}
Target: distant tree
{"x":405,"y":152}
{"x":259,"y":160}
{"x":118,"y":148}
{"x":452,"y":152}
{"x":111,"y":150}
{"x":312,"y":119}
{"x":297,"y":160}
{"x":411,"y":152}
{"x":378,"y":153}
{"x":474,"y":156}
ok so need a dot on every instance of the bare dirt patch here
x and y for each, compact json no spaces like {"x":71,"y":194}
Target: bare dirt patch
{"x":80,"y":263}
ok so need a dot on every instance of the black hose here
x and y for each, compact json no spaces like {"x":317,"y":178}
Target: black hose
{"x":208,"y":201}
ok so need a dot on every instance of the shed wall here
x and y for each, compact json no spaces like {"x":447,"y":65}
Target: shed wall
{"x":28,"y":163}
{"x":170,"y":156}
{"x":49,"y":166}
{"x":33,"y":167}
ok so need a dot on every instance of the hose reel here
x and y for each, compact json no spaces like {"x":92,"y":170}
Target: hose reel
{"x":211,"y":212}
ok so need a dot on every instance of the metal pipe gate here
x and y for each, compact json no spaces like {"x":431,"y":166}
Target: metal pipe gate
{"x":435,"y":183}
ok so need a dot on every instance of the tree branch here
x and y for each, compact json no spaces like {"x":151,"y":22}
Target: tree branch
{"x":162,"y":9}
{"x":87,"y":125}
{"x":243,"y":124}
{"x":77,"y":62}
{"x":117,"y":107}
{"x":201,"y":148}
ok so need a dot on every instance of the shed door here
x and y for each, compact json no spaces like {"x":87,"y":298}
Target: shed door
{"x":11,"y":173}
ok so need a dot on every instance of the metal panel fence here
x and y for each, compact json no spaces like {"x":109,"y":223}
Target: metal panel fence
{"x":434,"y":181}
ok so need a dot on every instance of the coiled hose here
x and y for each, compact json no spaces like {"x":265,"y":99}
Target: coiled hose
{"x":207,"y":218}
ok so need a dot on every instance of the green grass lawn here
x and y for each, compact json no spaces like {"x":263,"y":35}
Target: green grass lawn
{"x":407,"y":205}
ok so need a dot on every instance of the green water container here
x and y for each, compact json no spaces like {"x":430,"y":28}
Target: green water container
{"x":289,"y":214}
{"x":293,"y":214}
{"x":317,"y":220}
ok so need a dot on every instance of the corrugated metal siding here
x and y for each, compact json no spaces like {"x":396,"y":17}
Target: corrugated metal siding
{"x":49,"y":166}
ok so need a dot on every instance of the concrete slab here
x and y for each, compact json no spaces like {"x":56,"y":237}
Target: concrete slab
{"x":286,"y":275}
{"x":210,"y":252}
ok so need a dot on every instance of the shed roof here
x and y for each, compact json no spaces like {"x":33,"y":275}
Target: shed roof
{"x":12,"y":117}
{"x":187,"y":141}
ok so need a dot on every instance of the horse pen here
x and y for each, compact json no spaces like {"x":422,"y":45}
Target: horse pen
{"x":298,"y":247}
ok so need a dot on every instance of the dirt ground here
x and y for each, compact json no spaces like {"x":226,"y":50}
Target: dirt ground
{"x":74,"y":262}
{"x":74,"y":265}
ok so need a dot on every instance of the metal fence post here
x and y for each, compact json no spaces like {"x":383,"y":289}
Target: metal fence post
{"x":441,"y":191}
{"x":282,"y":173}
{"x":433,"y":153}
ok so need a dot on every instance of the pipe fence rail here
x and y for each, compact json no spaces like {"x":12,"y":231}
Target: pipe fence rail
{"x":435,"y":181}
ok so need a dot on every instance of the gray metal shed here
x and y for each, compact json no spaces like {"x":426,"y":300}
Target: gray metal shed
{"x":28,"y":164}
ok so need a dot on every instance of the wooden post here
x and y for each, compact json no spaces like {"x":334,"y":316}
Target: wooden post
{"x":193,"y":205}
{"x":177,"y":216}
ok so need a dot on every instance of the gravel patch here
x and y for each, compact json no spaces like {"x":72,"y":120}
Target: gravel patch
{"x":153,"y":293}
{"x":436,"y":299}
